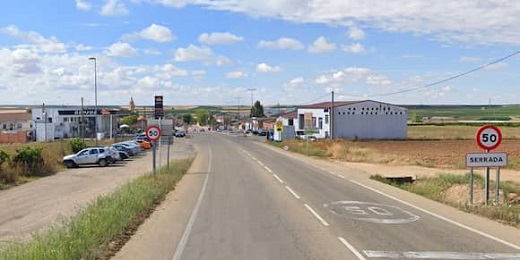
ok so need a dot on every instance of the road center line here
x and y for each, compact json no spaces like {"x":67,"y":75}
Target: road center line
{"x":439,"y":216}
{"x":351,"y":248}
{"x":260,"y":162}
{"x":191,"y":221}
{"x":292,"y":192}
{"x":316,"y":215}
{"x":268,"y":169}
{"x":278,"y":178}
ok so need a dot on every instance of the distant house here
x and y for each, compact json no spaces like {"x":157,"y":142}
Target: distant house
{"x":366,"y":119}
{"x":15,"y":120}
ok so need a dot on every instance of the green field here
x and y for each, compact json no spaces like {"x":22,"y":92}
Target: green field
{"x":466,"y":112}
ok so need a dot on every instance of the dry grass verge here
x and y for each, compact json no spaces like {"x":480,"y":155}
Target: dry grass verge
{"x":104,"y":226}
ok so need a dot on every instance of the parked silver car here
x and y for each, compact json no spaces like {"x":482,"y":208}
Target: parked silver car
{"x":94,"y":155}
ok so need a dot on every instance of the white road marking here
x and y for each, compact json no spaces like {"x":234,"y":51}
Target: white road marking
{"x":439,"y":216}
{"x":191,"y":221}
{"x":254,"y":158}
{"x":316,"y":215}
{"x":341,"y":176}
{"x":278,"y":178}
{"x":351,"y":248}
{"x":268,"y":169}
{"x":331,"y":172}
{"x":292,"y":192}
{"x":438,"y":255}
{"x":260,"y":162}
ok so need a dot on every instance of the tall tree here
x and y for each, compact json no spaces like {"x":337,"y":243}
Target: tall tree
{"x":257,"y":110}
{"x":187,"y":118}
{"x":202,"y":116}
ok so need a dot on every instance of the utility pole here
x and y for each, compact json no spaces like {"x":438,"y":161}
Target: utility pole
{"x":82,"y":124}
{"x":332,"y":116}
{"x":252,"y":108}
{"x":252,"y":105}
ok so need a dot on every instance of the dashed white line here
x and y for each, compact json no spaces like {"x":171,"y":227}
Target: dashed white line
{"x":268,"y":169}
{"x":254,"y":158}
{"x":278,"y":178}
{"x":351,"y":248}
{"x":316,"y":215}
{"x":292,"y":192}
{"x":341,"y":176}
{"x":439,"y":216}
{"x":260,"y":162}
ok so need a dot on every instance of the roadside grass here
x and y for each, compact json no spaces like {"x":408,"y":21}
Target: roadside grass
{"x":92,"y":232}
{"x":438,"y":189}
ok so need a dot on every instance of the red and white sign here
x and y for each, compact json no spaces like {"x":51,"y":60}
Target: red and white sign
{"x":488,"y":137}
{"x":153,"y":132}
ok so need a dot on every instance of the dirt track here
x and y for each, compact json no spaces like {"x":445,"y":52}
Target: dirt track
{"x":38,"y":204}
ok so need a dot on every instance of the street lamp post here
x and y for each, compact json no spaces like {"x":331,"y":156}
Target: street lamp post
{"x":95,"y":99}
{"x":252,"y":107}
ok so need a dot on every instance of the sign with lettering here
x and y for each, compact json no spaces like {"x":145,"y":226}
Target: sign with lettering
{"x":159,"y":110}
{"x":486,"y":159}
{"x":488,"y":137}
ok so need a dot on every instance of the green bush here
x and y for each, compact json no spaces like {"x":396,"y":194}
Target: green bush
{"x":77,"y":144}
{"x":28,"y":161}
{"x":4,"y":157}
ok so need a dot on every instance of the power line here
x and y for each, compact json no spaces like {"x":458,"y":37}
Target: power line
{"x":459,"y":75}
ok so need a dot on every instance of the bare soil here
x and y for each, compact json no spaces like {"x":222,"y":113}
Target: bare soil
{"x":446,"y":154}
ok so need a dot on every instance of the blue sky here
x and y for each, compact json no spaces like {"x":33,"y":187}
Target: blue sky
{"x":212,"y":52}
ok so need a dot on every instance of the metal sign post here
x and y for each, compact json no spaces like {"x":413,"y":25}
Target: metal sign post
{"x":153,"y":133}
{"x":488,"y":138}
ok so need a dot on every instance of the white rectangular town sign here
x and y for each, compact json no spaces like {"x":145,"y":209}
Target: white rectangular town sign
{"x":486,"y":159}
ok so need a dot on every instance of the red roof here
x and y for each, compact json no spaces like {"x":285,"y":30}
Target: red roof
{"x":292,"y":114}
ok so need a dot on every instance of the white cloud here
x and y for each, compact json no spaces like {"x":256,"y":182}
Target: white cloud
{"x":83,"y":5}
{"x":220,"y":61}
{"x":50,"y":45}
{"x":174,"y":3}
{"x":378,"y":80}
{"x":293,"y":84}
{"x":121,"y":49}
{"x":262,"y":67}
{"x":81,"y":47}
{"x":151,"y":52}
{"x":466,"y":21}
{"x":282,"y":43}
{"x":157,"y":33}
{"x":496,"y":66}
{"x":353,"y":48}
{"x":204,"y":54}
{"x":193,"y":53}
{"x":470,"y":59}
{"x":355,"y":33}
{"x":236,"y":74}
{"x":351,"y":74}
{"x":219,"y":38}
{"x":114,"y":8}
{"x":321,"y":45}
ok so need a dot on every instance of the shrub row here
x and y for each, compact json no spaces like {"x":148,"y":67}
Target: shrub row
{"x":32,"y":161}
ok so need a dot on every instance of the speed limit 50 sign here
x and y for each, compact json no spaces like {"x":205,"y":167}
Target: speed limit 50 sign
{"x":488,"y":137}
{"x":153,"y":132}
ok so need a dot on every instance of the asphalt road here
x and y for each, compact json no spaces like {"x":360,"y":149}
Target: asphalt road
{"x":261,"y":203}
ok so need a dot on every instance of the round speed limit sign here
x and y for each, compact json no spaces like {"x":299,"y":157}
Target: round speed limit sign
{"x":153,"y":132}
{"x":488,"y":137}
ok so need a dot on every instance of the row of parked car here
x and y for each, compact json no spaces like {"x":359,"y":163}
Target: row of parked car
{"x":104,"y":156}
